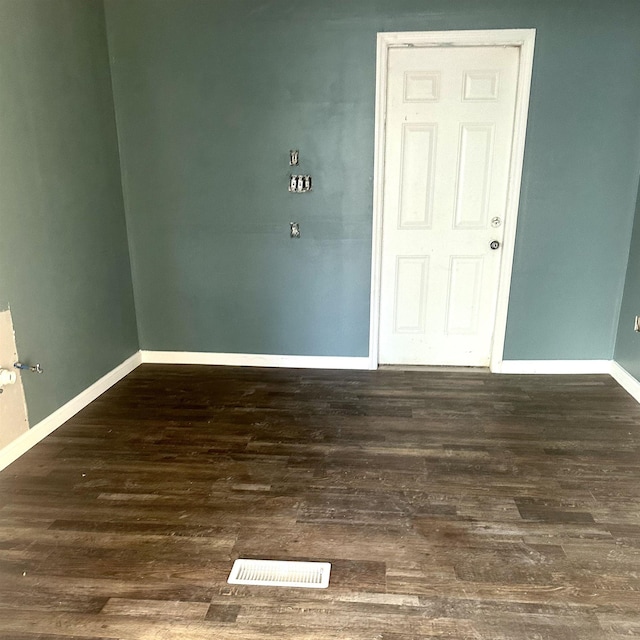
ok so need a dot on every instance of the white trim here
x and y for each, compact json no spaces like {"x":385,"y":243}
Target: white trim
{"x":23,"y":443}
{"x":255,"y":360}
{"x":525,"y":40}
{"x":553,"y":367}
{"x":513,"y":191}
{"x":625,"y":380}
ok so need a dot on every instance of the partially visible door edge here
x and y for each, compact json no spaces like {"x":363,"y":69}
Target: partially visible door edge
{"x":14,"y":420}
{"x":525,"y":40}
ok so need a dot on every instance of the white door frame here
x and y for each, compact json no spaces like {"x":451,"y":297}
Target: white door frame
{"x":525,"y":40}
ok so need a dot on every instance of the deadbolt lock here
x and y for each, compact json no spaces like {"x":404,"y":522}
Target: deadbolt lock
{"x":496,"y":222}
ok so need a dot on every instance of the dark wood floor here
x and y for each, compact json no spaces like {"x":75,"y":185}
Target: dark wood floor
{"x":452,"y":505}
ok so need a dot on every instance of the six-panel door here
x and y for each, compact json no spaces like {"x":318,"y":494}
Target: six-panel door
{"x":448,"y":138}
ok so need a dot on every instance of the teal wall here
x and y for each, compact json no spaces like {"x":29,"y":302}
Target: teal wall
{"x":627,"y":351}
{"x":64,"y":263}
{"x":579,"y":187}
{"x":208,"y":92}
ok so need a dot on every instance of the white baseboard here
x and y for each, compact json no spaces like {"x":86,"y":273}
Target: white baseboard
{"x":625,"y":380}
{"x":23,"y":443}
{"x":255,"y":360}
{"x":553,"y":366}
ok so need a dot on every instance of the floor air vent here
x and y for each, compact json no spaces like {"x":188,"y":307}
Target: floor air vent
{"x":281,"y":573}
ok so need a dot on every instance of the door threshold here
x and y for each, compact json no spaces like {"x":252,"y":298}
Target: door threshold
{"x":432,"y":368}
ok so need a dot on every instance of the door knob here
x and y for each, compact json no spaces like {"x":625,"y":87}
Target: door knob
{"x":494,"y":245}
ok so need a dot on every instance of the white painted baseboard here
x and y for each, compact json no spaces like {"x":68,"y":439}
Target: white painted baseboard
{"x":553,"y":366}
{"x":625,"y":380}
{"x":23,"y":443}
{"x":255,"y":360}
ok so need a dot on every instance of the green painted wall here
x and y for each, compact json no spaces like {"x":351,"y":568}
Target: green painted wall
{"x":64,"y":262}
{"x":627,"y":351}
{"x":211,"y":94}
{"x":210,"y":91}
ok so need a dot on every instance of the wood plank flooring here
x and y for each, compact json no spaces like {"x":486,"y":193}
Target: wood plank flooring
{"x":455,"y":505}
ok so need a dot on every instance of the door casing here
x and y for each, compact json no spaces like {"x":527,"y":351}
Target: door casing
{"x":524,"y":39}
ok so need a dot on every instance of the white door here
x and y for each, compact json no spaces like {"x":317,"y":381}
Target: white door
{"x":448,"y":140}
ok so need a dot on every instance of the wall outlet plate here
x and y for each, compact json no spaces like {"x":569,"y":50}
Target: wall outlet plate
{"x":299,"y":183}
{"x":294,"y":229}
{"x":636,"y":324}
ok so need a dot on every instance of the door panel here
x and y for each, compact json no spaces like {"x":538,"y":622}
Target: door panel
{"x":417,"y":170}
{"x":463,"y":299}
{"x":474,"y":176}
{"x":448,"y":137}
{"x":411,"y":294}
